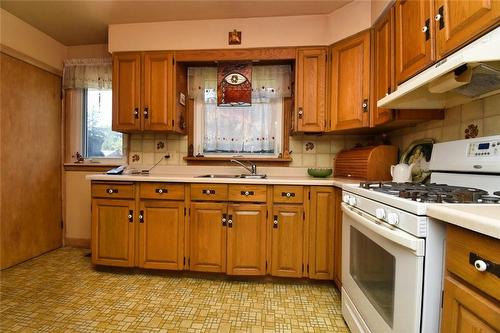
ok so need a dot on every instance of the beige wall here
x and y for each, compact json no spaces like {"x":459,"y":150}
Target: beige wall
{"x":87,"y":51}
{"x":348,"y":20}
{"x":377,"y":7}
{"x":485,"y":114}
{"x":16,"y":35}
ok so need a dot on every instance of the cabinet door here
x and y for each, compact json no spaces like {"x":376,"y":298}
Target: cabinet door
{"x":157,"y":100}
{"x":382,"y":79}
{"x":465,"y":311}
{"x":126,"y":92}
{"x":414,"y":37}
{"x":113,"y":232}
{"x":337,"y":238}
{"x":161,"y":234}
{"x":246,"y":239}
{"x":350,"y":80}
{"x":460,"y":21}
{"x":321,"y":250}
{"x":311,"y":90}
{"x":287,"y":240}
{"x":207,"y":231}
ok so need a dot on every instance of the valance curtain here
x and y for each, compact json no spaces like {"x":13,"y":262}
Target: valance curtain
{"x":240,"y":130}
{"x":89,"y":73}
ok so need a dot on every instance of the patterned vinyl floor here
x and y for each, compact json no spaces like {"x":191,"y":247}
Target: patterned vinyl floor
{"x":62,"y":292}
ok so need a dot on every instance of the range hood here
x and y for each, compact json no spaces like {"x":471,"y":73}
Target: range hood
{"x":470,"y":73}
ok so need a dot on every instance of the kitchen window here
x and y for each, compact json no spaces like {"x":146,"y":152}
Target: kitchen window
{"x":254,"y":131}
{"x":98,"y":140}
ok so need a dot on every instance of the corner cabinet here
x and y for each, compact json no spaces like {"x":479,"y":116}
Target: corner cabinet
{"x":458,"y":22}
{"x":310,"y":81}
{"x":350,"y":83}
{"x":146,"y":92}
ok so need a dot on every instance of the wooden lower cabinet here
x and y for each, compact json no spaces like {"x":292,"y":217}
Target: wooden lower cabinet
{"x":161,"y":234}
{"x":113,"y":224}
{"x":468,"y":311}
{"x":287,"y":241}
{"x":207,"y":237}
{"x":246,"y":239}
{"x":321,"y":250}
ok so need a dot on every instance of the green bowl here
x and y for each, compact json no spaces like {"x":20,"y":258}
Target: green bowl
{"x":319,"y":172}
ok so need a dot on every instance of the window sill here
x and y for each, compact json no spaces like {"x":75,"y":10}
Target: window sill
{"x":100,"y":167}
{"x":192,"y":160}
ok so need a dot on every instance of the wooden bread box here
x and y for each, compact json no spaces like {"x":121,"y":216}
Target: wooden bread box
{"x":366,"y":163}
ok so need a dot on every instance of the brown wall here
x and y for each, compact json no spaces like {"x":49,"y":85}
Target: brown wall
{"x":30,"y":161}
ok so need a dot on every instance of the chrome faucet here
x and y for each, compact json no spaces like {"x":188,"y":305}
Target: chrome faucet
{"x":252,"y":168}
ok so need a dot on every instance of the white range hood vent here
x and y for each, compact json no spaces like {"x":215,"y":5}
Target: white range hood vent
{"x":472,"y":72}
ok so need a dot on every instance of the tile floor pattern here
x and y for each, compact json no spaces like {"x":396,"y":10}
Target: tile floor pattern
{"x":62,"y":292}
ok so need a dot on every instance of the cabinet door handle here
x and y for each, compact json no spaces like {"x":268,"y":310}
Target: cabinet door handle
{"x":131,"y":216}
{"x":247,"y":193}
{"x":111,"y":190}
{"x":224,"y":220}
{"x":275,"y":222}
{"x":440,"y":17}
{"x":287,"y":194}
{"x":146,"y":112}
{"x":364,"y":105}
{"x":208,"y":192}
{"x":301,"y":113}
{"x":141,"y":216}
{"x":161,"y":190}
{"x":426,"y":30}
{"x":230,"y":221}
{"x":136,"y":113}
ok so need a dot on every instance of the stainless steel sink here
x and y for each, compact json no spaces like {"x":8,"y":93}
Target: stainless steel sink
{"x":233,"y":176}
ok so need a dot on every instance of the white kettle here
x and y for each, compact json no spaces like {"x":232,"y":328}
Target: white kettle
{"x":401,"y":173}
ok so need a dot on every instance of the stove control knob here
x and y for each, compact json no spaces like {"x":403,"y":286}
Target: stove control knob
{"x":345,"y":198}
{"x":352,"y":201}
{"x":393,"y":219}
{"x":380,"y":213}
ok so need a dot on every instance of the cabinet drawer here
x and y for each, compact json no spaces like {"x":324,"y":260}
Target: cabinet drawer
{"x":162,"y":191}
{"x":113,"y":190}
{"x":209,"y":192}
{"x":247,"y":193}
{"x":288,"y":194}
{"x":463,"y":248}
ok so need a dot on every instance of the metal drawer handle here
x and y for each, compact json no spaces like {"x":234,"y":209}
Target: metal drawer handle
{"x":161,"y":190}
{"x":484,"y":265}
{"x":275,"y":222}
{"x":208,"y":192}
{"x":111,"y":190}
{"x":287,"y":194}
{"x":247,"y":193}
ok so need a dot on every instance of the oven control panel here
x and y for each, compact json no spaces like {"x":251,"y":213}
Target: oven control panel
{"x":484,"y":149}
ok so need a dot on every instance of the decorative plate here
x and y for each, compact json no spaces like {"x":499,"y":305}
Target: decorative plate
{"x":419,"y":152}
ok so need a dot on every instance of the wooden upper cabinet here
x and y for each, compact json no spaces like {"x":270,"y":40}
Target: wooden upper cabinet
{"x":321,"y":233}
{"x":458,"y":22}
{"x":126,"y":92}
{"x":350,"y":82}
{"x":287,"y":240}
{"x":113,"y":232}
{"x":383,"y":65}
{"x":161,"y":234}
{"x":157,"y":102}
{"x":311,"y":90}
{"x":246,"y":239}
{"x":207,"y":237}
{"x":414,"y":28}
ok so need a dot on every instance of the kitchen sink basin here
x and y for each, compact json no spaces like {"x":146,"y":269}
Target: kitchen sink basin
{"x":244,"y":176}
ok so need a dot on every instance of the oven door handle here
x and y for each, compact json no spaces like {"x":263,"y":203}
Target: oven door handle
{"x":397,"y":236}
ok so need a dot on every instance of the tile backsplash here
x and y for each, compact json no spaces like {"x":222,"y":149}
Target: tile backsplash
{"x":307,"y":150}
{"x":477,"y":118}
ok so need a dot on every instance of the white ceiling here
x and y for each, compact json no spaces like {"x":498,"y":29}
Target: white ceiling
{"x":86,"y":22}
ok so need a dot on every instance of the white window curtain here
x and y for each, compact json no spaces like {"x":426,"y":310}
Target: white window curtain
{"x":253,"y":129}
{"x":89,"y":73}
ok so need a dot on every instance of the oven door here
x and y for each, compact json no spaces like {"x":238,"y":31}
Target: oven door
{"x":382,"y":273}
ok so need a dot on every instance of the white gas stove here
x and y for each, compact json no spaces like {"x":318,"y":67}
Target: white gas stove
{"x":392,"y":259}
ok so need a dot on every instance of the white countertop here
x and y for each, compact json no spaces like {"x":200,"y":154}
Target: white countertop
{"x":482,"y":218}
{"x":275,"y":176}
